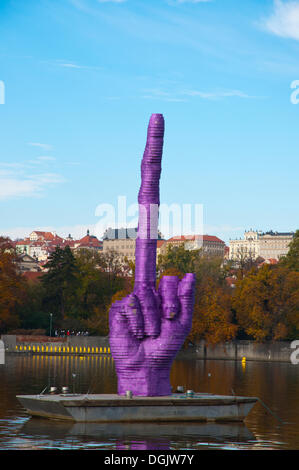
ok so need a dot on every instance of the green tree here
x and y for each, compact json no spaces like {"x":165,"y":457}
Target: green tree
{"x":100,"y":276}
{"x":178,"y":257}
{"x":32,"y":313}
{"x":291,"y":260}
{"x":60,"y":283}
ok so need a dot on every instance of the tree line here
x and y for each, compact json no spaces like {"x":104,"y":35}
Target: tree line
{"x":78,"y":289}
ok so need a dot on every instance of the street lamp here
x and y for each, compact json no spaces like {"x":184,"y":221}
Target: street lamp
{"x":51,"y":315}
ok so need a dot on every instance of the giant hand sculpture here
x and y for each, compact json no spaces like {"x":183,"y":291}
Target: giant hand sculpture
{"x":148,"y":327}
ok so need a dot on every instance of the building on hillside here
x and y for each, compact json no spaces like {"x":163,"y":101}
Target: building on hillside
{"x":39,"y":250}
{"x":209,"y":244}
{"x":226,"y":252}
{"x":160,"y":247}
{"x":22,"y":246}
{"x":258,"y":244}
{"x":27,"y":263}
{"x":42,"y":236}
{"x":123,"y":241}
{"x":89,"y":242}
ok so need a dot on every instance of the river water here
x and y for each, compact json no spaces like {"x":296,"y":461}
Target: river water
{"x":275,"y":426}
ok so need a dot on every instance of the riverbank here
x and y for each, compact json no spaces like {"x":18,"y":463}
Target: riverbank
{"x":279,"y":351}
{"x":30,"y":344}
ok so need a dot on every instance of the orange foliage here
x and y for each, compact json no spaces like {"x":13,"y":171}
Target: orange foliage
{"x":267,"y":303}
{"x":11,"y":286}
{"x":212,"y":317}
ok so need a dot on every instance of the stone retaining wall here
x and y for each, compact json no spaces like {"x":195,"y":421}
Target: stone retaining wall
{"x":236,"y":350}
{"x":46,"y":345}
{"x":233,"y":350}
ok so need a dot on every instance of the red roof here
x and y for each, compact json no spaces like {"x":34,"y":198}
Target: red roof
{"x":21,"y":242}
{"x":32,"y":275}
{"x":45,"y":235}
{"x":205,"y":238}
{"x":90,"y":241}
{"x":212,"y":238}
{"x":269,"y":261}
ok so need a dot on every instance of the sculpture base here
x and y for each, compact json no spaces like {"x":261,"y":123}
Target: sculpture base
{"x":115,"y":408}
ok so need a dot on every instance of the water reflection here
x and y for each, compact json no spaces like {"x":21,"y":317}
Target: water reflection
{"x":276,"y":384}
{"x":137,"y":435}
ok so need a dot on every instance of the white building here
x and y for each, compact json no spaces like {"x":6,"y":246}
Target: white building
{"x":268,"y":245}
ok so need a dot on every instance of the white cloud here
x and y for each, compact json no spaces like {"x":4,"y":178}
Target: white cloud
{"x":46,"y":158}
{"x":15,"y":182}
{"x":178,"y":96}
{"x":215,"y":95}
{"x":71,"y":66}
{"x":42,"y":146}
{"x":284,"y":21}
{"x":193,"y":1}
{"x":112,"y":1}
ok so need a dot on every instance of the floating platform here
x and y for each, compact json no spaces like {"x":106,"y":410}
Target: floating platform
{"x":101,"y":408}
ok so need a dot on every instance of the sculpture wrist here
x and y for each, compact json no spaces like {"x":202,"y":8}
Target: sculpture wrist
{"x":149,"y":381}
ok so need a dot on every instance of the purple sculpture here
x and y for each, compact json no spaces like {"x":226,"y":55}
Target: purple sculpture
{"x":148,"y":327}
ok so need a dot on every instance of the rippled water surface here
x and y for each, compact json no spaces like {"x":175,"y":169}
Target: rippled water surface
{"x":274,"y":427}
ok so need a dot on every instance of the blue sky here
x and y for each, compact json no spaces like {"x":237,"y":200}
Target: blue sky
{"x":82,"y":78}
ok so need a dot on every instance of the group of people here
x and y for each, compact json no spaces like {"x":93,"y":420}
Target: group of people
{"x":63,"y":333}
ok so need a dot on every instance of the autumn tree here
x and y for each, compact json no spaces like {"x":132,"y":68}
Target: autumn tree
{"x":266,"y":303}
{"x":212,"y":316}
{"x":11,"y":286}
